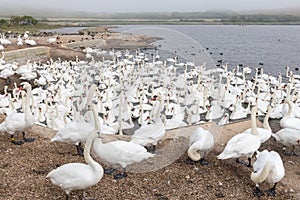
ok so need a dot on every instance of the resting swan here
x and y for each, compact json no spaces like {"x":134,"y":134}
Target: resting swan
{"x":118,"y":152}
{"x":267,"y":167}
{"x":243,"y":144}
{"x":289,"y":120}
{"x":288,"y":137}
{"x":201,"y":142}
{"x":20,"y":122}
{"x":78,"y":176}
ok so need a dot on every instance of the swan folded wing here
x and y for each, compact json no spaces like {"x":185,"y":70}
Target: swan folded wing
{"x":68,"y":176}
{"x":150,"y":131}
{"x":129,"y":147}
{"x":239,"y":145}
{"x":15,"y":122}
{"x":73,"y":133}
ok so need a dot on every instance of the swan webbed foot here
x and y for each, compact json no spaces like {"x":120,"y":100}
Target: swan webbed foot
{"x":27,"y":139}
{"x":190,"y":161}
{"x":109,"y":170}
{"x":237,"y":160}
{"x":79,"y":150}
{"x":17,"y":142}
{"x":120,"y":176}
{"x":14,"y":141}
{"x":257,"y":192}
{"x":271,"y":192}
{"x":203,"y":161}
{"x":150,"y":148}
{"x":249,"y":162}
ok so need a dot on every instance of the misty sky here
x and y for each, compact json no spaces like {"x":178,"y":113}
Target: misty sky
{"x":153,"y":5}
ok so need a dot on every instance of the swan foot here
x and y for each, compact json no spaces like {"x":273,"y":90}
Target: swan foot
{"x":257,"y":192}
{"x":150,"y":148}
{"x":17,"y":142}
{"x":271,"y":192}
{"x":237,"y":160}
{"x":27,"y":139}
{"x":79,"y":150}
{"x":190,"y":161}
{"x":109,"y":171}
{"x":203,"y":161}
{"x":119,"y":176}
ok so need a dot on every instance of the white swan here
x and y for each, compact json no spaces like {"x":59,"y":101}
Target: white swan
{"x":152,"y":133}
{"x":289,"y":120}
{"x":288,"y":137}
{"x":265,"y":132}
{"x":78,"y":176}
{"x":201,"y":142}
{"x":224,"y":120}
{"x":243,"y":144}
{"x":20,"y":122}
{"x":118,"y":152}
{"x":267,"y":167}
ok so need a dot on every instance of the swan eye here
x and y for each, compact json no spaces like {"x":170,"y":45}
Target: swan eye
{"x":255,"y":172}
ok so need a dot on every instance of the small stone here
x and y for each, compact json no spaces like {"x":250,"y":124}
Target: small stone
{"x":168,"y":182}
{"x":196,"y":169}
{"x":220,"y":183}
{"x":291,"y":190}
{"x":187,"y":177}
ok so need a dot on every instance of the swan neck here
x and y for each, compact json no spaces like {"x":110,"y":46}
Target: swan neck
{"x":289,"y":113}
{"x":260,"y":177}
{"x":193,"y":153}
{"x":87,"y":156}
{"x":253,"y":121}
{"x":266,"y":120}
{"x":96,"y":120}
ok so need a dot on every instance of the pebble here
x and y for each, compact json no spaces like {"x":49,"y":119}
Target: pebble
{"x":220,"y":183}
{"x":187,"y":177}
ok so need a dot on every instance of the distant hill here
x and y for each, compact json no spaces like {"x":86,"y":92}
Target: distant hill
{"x":286,"y":11}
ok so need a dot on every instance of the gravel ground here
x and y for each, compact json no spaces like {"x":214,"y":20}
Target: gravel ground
{"x":24,"y":169}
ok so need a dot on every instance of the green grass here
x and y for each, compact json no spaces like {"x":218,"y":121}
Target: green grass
{"x":31,"y":29}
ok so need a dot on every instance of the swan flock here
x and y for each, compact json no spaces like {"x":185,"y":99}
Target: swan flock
{"x":144,"y":97}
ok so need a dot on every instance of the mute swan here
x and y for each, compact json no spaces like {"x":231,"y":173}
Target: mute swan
{"x":118,"y":152}
{"x":288,"y":137}
{"x":288,"y":120}
{"x":201,"y":142}
{"x":265,"y":132}
{"x":78,"y":176}
{"x":22,"y":122}
{"x":243,"y":144}
{"x":152,"y":133}
{"x":267,"y":167}
{"x":224,"y":120}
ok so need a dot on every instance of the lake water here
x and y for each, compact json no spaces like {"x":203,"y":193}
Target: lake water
{"x":269,"y":47}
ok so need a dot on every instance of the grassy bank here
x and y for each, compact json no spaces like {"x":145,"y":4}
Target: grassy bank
{"x":31,"y":29}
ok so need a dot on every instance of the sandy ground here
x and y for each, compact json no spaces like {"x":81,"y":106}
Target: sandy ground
{"x":168,"y":176}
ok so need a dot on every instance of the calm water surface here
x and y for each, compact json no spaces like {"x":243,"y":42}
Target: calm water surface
{"x":275,"y":47}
